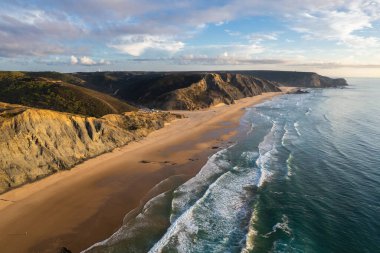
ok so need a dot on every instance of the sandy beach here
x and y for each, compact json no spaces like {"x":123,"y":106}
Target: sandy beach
{"x":80,"y":207}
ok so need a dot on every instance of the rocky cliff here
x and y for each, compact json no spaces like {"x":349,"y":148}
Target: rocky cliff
{"x":184,"y":90}
{"x":213,"y":89}
{"x":35,"y":143}
{"x":297,"y":79}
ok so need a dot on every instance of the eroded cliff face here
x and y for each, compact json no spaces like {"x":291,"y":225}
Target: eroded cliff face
{"x":35,"y":143}
{"x":213,"y":89}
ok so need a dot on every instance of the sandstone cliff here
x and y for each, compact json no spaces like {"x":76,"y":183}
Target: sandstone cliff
{"x":35,"y":143}
{"x":213,"y":89}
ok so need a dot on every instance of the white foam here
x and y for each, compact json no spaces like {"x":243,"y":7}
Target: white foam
{"x":126,"y":231}
{"x":309,"y":110}
{"x":249,"y":156}
{"x":286,"y":135}
{"x":188,"y":192}
{"x":251,"y":128}
{"x":252,"y":233}
{"x":296,"y":127}
{"x":267,"y":148}
{"x":218,"y":212}
{"x":283,"y":226}
{"x":289,"y":165}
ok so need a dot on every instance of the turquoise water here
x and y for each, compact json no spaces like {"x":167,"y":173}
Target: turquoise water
{"x":304,"y":176}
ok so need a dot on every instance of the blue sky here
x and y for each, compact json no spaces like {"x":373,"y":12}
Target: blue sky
{"x":336,"y":38}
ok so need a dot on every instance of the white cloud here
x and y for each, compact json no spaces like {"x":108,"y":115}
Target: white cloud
{"x":87,"y":61}
{"x":344,"y":22}
{"x":136,"y":45}
{"x":223,"y":60}
{"x":220,"y":23}
{"x":232,"y":33}
{"x":73,"y":60}
{"x":260,"y":37}
{"x":104,"y":62}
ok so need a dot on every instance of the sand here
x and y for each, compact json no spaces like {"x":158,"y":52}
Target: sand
{"x":80,"y":207}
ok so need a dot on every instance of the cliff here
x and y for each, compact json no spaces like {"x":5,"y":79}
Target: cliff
{"x":212,"y":89}
{"x":35,"y":143}
{"x":186,"y":90}
{"x":297,"y":79}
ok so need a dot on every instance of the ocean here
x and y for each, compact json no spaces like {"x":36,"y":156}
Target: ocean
{"x":303,"y":176}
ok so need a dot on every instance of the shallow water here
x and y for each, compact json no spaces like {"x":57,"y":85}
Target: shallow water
{"x":304,"y":176}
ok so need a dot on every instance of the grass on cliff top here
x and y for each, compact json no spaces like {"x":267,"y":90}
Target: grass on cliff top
{"x":47,"y":90}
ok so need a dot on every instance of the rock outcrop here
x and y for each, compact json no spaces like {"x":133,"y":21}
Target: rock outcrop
{"x":213,"y":89}
{"x":35,"y":143}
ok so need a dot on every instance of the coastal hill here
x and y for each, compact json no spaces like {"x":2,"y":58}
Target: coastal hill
{"x":297,"y":79}
{"x":100,"y":93}
{"x":178,"y":91}
{"x":59,"y":92}
{"x":195,"y":90}
{"x":35,"y":143}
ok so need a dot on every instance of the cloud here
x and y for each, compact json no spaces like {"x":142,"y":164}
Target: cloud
{"x":341,"y":23}
{"x":224,"y":61}
{"x":34,"y":32}
{"x":233,"y":50}
{"x":147,"y":28}
{"x":104,"y":62}
{"x":87,"y":61}
{"x":261,"y":37}
{"x":136,"y":45}
{"x":340,"y":20}
{"x":232,"y":33}
{"x":221,"y":60}
{"x":334,"y":65}
{"x":73,"y":60}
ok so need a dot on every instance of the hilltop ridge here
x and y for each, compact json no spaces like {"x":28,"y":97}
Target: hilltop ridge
{"x":183,"y":90}
{"x":297,"y":79}
{"x":59,"y":92}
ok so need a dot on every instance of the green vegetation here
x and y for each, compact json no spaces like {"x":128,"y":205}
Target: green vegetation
{"x":50,"y":90}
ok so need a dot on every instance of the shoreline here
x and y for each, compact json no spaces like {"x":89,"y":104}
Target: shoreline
{"x":90,"y":200}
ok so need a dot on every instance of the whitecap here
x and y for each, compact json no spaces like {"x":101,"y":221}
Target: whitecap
{"x":267,"y":148}
{"x":252,"y":232}
{"x":187,"y":193}
{"x":218,"y":212}
{"x":296,"y":127}
{"x":289,"y":165}
{"x":282,"y":226}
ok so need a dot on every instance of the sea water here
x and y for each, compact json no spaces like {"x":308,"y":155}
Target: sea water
{"x":304,"y":176}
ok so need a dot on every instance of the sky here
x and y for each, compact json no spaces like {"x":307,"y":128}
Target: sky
{"x":337,"y":38}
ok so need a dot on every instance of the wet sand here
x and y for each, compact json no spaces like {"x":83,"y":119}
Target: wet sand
{"x":80,"y":207}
